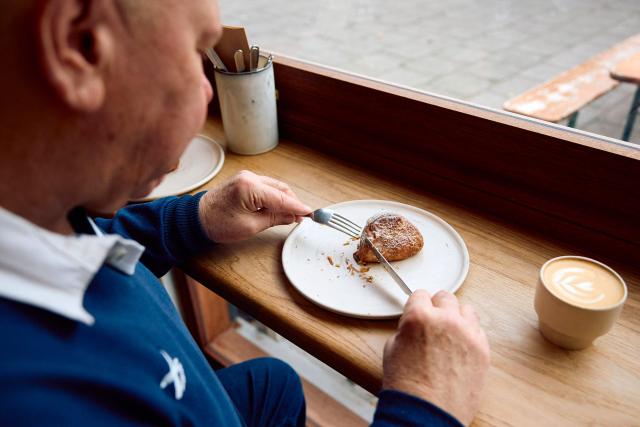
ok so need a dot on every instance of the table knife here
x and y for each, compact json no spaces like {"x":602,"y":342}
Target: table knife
{"x":215,"y":59}
{"x":238,"y":57}
{"x":254,"y":56}
{"x":387,"y":267}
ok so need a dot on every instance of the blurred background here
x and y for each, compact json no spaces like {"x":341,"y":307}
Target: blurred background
{"x":485,"y":52}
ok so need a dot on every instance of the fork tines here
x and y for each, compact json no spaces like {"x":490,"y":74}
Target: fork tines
{"x":345,"y":225}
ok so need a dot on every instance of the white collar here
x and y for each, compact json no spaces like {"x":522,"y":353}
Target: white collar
{"x":52,"y":271}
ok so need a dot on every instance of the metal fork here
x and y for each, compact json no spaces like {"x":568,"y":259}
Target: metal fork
{"x":350,"y":228}
{"x":337,"y":222}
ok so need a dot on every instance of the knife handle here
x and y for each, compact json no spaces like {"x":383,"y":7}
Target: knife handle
{"x":254,"y":57}
{"x":238,"y":57}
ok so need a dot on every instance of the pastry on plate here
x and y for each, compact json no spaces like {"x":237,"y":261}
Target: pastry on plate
{"x":393,"y":235}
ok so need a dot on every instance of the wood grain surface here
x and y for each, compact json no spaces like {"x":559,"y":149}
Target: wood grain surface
{"x":531,"y":381}
{"x":628,"y":70}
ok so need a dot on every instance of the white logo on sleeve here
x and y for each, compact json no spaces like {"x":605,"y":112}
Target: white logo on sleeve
{"x":175,"y":375}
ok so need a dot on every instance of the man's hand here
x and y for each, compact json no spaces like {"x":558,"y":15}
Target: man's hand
{"x":439,"y":353}
{"x":247,"y":204}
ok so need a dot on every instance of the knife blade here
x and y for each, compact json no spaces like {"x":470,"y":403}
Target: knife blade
{"x":387,"y":267}
{"x":215,"y":59}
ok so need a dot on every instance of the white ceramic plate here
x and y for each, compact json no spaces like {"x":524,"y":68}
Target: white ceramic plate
{"x":200,"y":162}
{"x":442,"y":263}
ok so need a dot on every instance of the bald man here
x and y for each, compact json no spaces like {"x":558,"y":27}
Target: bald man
{"x":99,"y":100}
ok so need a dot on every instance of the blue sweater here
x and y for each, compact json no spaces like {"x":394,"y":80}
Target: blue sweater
{"x":59,"y":372}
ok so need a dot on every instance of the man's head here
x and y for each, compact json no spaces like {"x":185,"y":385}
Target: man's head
{"x":103,"y":95}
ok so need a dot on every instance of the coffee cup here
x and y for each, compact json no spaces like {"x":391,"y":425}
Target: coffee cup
{"x":577,"y":300}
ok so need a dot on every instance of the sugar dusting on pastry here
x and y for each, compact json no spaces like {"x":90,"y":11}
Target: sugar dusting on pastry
{"x":393,"y":235}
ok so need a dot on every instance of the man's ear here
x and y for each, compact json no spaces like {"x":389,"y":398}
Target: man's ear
{"x":76,"y":48}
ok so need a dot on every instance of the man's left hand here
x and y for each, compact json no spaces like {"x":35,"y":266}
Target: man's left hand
{"x":247,"y":204}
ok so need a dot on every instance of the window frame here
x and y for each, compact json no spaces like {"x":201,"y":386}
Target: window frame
{"x":576,"y":185}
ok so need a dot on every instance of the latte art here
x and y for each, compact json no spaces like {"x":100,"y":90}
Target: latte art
{"x":577,"y":283}
{"x":583,"y":283}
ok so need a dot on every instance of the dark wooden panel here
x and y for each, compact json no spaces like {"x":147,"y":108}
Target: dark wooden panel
{"x":572,"y":186}
{"x":205,"y":313}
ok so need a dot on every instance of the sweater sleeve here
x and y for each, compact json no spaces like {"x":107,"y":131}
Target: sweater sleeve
{"x":168,"y":228}
{"x":396,"y":408}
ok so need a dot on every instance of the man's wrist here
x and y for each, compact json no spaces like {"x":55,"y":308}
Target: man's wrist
{"x":203,"y":216}
{"x":186,"y":213}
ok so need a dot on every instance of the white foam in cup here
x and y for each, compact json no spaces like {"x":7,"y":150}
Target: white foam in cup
{"x":577,"y":300}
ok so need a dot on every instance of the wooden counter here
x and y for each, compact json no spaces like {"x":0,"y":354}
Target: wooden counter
{"x":531,"y":382}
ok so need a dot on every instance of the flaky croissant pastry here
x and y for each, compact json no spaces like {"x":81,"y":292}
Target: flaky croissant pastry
{"x":393,"y":235}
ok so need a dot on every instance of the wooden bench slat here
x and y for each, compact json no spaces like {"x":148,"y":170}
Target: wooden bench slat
{"x":567,"y":93}
{"x":628,"y":70}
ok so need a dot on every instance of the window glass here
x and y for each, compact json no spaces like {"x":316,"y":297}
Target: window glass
{"x":486,"y":52}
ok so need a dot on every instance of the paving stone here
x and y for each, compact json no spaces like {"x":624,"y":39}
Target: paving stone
{"x":543,"y":72}
{"x":510,"y":34}
{"x":333,"y":58}
{"x":514,"y":86}
{"x":460,"y":84}
{"x":433,"y":66}
{"x":591,"y":112}
{"x":373,"y":64}
{"x":491,"y":44}
{"x":602,"y":127}
{"x":493,"y":71}
{"x":489,"y":99}
{"x":418,"y":50}
{"x":542,"y":46}
{"x":459,"y":52}
{"x":566,"y":60}
{"x":405,"y":77}
{"x":517,"y":58}
{"x":624,"y":30}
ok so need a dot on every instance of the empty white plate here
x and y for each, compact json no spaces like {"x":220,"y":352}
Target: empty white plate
{"x":442,"y":263}
{"x":201,"y":161}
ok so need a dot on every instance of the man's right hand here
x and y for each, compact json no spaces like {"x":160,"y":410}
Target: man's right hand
{"x":439,"y":353}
